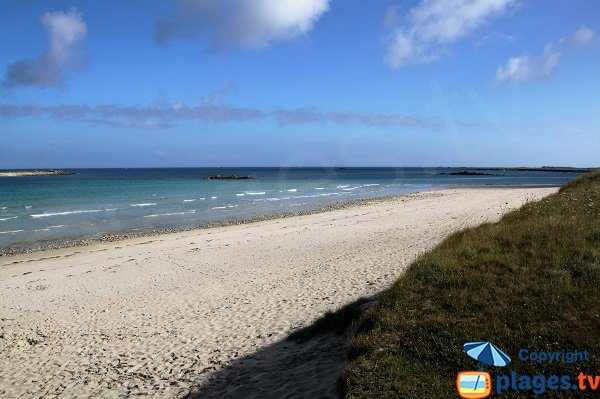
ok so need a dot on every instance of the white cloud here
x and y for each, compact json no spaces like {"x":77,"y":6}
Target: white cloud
{"x":580,"y":38}
{"x":524,"y":68}
{"x":66,"y":32}
{"x":251,"y":24}
{"x":434,"y":24}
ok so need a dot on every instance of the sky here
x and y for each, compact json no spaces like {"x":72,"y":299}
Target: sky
{"x":140,"y":83}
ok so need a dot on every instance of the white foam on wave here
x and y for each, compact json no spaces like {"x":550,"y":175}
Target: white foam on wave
{"x":219,"y":207}
{"x":111,"y":209}
{"x":3,"y":207}
{"x":202,"y":199}
{"x":47,"y":228}
{"x":271,"y":199}
{"x":317,"y":195}
{"x":170,"y":214}
{"x":342,"y":186}
{"x":12,"y":217}
{"x":27,"y":206}
{"x":293,"y":190}
{"x":240,"y":194}
{"x":213,"y":197}
{"x":348,"y":188}
{"x":189,"y":200}
{"x":144,"y":204}
{"x":255,"y":192}
{"x":319,"y":188}
{"x":11,"y":231}
{"x":47,"y":214}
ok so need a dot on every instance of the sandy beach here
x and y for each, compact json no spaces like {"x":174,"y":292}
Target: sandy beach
{"x":208,"y":311}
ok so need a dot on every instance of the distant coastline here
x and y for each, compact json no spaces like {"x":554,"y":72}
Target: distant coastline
{"x":480,"y":171}
{"x":49,"y":172}
{"x":556,"y":169}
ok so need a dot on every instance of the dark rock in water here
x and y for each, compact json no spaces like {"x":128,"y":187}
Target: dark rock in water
{"x":229,"y":177}
{"x":59,"y":172}
{"x":467,"y":173}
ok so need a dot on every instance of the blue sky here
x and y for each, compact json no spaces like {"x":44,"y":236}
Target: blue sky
{"x":299,"y":83}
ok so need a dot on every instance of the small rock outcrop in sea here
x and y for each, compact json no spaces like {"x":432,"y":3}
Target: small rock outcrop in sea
{"x":229,"y":177}
{"x":49,"y":172}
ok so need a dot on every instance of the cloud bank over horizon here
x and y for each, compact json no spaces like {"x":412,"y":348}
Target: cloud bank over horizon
{"x":66,"y":32}
{"x":166,"y":114}
{"x":253,"y":25}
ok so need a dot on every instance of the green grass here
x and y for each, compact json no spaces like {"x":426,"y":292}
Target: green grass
{"x":531,"y":281}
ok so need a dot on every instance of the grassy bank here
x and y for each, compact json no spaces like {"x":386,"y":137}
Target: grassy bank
{"x":531,"y":281}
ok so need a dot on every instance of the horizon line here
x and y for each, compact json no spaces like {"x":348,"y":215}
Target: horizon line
{"x":308,"y":166}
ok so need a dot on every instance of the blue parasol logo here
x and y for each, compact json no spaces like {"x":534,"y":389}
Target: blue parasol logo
{"x":486,"y":353}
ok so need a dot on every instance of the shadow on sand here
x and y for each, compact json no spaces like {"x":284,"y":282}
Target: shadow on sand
{"x":285,"y":369}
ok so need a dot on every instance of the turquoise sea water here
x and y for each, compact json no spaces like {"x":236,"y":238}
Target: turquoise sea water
{"x":97,"y":201}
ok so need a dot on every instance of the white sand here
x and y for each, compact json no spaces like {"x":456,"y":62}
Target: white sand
{"x":159,"y":315}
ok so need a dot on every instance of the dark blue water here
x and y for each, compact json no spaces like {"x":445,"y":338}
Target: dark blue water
{"x":96,"y":201}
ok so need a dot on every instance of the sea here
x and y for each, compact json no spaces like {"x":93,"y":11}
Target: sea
{"x":94,"y":202}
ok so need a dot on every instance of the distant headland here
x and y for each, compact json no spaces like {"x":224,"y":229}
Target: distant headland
{"x":49,"y":172}
{"x":467,"y":173}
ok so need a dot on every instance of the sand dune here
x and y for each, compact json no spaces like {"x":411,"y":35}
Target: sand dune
{"x":161,"y":315}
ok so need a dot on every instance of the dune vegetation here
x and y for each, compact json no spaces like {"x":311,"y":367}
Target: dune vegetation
{"x":531,"y":280}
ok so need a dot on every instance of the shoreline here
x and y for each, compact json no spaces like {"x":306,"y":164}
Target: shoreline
{"x":118,"y":236}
